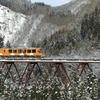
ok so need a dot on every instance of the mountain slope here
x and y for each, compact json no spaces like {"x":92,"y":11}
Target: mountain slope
{"x":19,"y":29}
{"x":77,"y":6}
{"x":36,"y":28}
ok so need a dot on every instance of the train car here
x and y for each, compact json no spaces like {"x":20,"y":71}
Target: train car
{"x":22,"y":52}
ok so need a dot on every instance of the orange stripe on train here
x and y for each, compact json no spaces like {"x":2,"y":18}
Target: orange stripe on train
{"x":22,"y":51}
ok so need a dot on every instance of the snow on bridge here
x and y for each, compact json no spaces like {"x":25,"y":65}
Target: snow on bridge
{"x":53,"y":60}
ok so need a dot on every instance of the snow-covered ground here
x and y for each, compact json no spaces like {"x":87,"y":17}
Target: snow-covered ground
{"x":21,"y":30}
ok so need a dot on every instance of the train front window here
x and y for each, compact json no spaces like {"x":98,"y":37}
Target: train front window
{"x":14,"y":51}
{"x":41,"y":51}
{"x":33,"y":51}
{"x":10,"y":51}
{"x":29,"y":51}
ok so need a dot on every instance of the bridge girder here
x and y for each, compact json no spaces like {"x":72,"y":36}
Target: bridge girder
{"x":59,"y":66}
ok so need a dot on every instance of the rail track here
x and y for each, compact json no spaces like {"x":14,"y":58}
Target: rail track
{"x":47,"y":60}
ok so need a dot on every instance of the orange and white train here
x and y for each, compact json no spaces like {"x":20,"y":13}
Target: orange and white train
{"x":22,"y":52}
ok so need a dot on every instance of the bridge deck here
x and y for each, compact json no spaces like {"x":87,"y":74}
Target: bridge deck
{"x":53,"y":60}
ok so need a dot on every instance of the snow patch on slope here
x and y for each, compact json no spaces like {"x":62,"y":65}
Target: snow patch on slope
{"x":10,"y":23}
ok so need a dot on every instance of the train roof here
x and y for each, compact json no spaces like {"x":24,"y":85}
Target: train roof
{"x":20,"y":48}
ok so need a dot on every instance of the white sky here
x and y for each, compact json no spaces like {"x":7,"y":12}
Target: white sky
{"x":53,"y":2}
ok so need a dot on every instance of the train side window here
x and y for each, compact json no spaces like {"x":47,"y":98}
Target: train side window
{"x":19,"y":51}
{"x":14,"y":51}
{"x":4,"y":50}
{"x":29,"y":51}
{"x":33,"y":51}
{"x":24,"y":51}
{"x":10,"y":51}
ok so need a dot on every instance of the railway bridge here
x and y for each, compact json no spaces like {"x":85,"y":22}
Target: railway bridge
{"x":44,"y":69}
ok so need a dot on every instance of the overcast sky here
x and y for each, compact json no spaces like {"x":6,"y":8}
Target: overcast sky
{"x":52,"y":2}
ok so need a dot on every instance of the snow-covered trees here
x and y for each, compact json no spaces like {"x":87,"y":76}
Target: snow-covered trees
{"x":90,"y":28}
{"x":83,"y":87}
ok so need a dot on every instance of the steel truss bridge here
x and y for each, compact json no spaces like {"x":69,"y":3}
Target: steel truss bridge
{"x":29,"y":68}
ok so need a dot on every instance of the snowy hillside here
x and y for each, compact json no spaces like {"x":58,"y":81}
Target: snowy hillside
{"x":20,"y":30}
{"x":78,"y":6}
{"x":10,"y":23}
